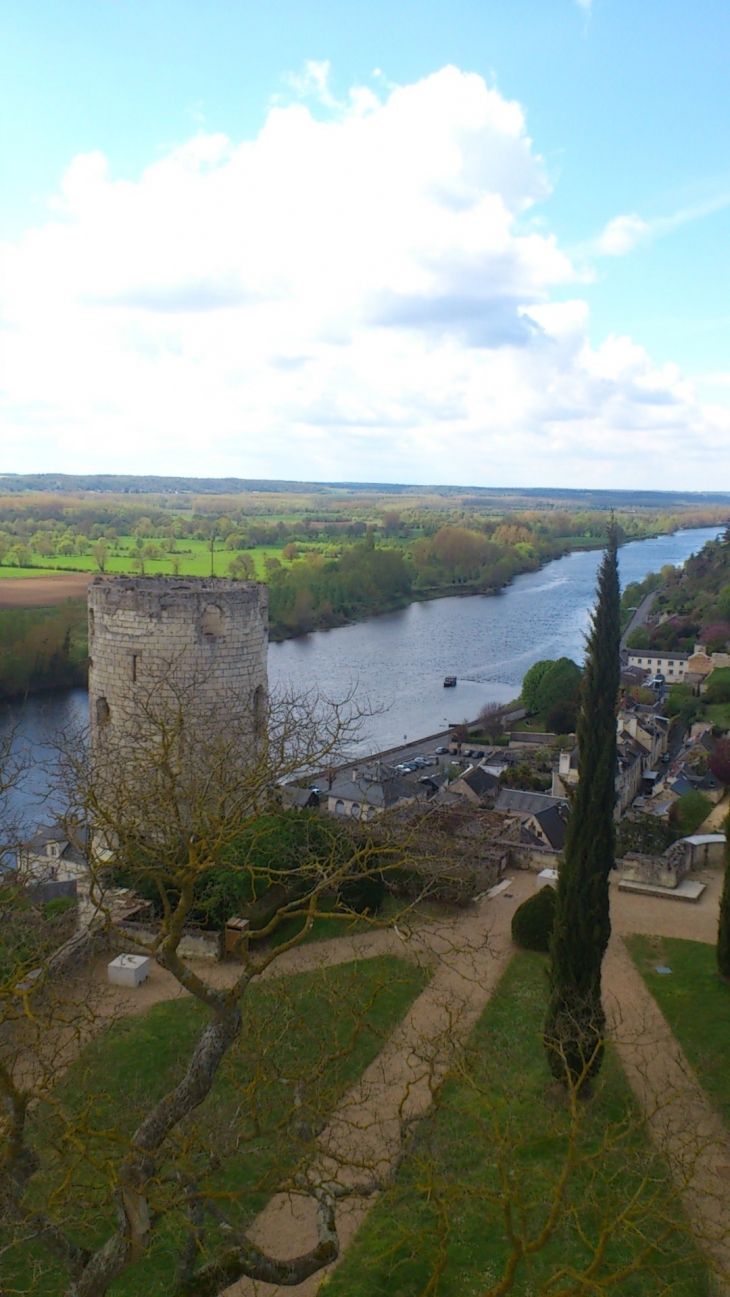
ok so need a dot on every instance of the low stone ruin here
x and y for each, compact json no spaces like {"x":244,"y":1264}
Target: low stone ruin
{"x":665,"y":875}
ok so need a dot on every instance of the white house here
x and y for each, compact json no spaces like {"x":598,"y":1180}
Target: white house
{"x":672,"y":665}
{"x":50,"y":856}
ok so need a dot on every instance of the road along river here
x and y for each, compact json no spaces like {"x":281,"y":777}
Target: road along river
{"x":396,"y":663}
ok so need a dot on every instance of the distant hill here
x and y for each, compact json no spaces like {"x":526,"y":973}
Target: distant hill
{"x":524,"y":497}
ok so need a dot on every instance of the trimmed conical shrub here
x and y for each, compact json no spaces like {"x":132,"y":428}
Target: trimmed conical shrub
{"x":533,"y":920}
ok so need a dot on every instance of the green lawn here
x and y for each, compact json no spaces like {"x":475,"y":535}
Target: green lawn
{"x":317,"y":1030}
{"x":501,"y":1122}
{"x":696,"y":1003}
{"x":531,"y":725}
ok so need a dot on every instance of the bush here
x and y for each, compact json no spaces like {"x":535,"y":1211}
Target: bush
{"x":561,"y":684}
{"x":532,"y":922}
{"x":646,"y":834}
{"x":562,"y":718}
{"x":59,"y":905}
{"x":525,"y":777}
{"x":363,"y":893}
{"x":531,"y":682}
{"x":718,"y":686}
{"x":638,"y":639}
{"x":688,"y":813}
{"x":690,"y":709}
{"x":677,"y":695}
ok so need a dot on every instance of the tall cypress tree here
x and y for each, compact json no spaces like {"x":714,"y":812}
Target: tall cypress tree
{"x":723,"y":930}
{"x":575,"y":1022}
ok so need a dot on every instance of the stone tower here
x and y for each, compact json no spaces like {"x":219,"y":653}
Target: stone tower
{"x":203,"y":638}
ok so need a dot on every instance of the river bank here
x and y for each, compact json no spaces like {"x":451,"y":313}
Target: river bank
{"x":462,"y":590}
{"x":394,"y":665}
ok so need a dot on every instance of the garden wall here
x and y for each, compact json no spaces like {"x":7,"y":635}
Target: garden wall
{"x":194,"y":943}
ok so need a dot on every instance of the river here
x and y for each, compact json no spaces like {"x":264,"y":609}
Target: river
{"x":396,"y":662}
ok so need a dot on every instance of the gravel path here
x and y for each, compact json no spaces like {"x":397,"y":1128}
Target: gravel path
{"x":681,"y":1122}
{"x":717,"y":816}
{"x":364,"y":1135}
{"x":469,"y":955}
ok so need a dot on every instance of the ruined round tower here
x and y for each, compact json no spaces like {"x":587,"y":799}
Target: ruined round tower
{"x":201,"y":638}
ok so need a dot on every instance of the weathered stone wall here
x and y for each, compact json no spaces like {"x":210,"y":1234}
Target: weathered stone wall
{"x":208,"y":636}
{"x":656,"y":871}
{"x":194,"y":943}
{"x":523,"y":855}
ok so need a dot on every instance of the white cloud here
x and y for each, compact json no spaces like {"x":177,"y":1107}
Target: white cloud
{"x":625,"y":233}
{"x":622,"y":235}
{"x":346,"y":297}
{"x":314,"y":83}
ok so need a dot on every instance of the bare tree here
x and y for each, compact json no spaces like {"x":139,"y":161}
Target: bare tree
{"x":181,"y":792}
{"x":491,"y":719}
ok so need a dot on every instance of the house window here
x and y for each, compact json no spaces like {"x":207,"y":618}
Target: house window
{"x":639,"y":660}
{"x":103,"y":713}
{"x":134,"y":668}
{"x":355,"y":812}
{"x":339,"y":807}
{"x":671,"y":664}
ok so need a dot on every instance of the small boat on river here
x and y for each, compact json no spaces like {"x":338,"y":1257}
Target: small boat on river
{"x":449,"y":682}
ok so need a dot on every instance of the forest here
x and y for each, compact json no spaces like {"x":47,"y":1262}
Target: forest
{"x":693,"y":603}
{"x":42,"y":648}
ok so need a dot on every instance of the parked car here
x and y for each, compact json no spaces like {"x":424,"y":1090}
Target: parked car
{"x":441,"y":750}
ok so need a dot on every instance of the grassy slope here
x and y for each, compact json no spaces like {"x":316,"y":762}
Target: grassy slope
{"x":291,"y":1025}
{"x":696,"y":1002}
{"x":440,"y":1213}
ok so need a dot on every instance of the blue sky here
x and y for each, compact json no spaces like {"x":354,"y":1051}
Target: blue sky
{"x":626,"y":110}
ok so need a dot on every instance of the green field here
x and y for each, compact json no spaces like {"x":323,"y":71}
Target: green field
{"x":193,"y":558}
{"x":318,"y":1029}
{"x":487,"y":1161}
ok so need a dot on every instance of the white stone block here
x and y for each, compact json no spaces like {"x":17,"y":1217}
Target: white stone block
{"x":128,"y":970}
{"x":546,"y":878}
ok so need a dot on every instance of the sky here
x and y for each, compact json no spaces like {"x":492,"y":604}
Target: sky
{"x":476,"y":243}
